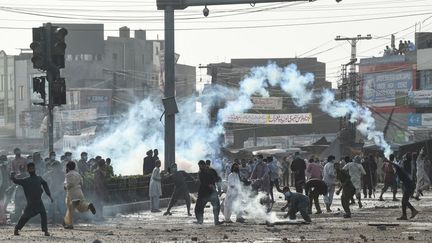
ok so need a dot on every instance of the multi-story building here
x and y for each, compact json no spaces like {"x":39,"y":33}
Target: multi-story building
{"x":285,"y":135}
{"x":28,"y":116}
{"x":398,"y":90}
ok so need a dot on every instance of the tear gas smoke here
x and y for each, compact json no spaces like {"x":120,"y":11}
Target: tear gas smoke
{"x":356,"y":113}
{"x":248,"y":204}
{"x":140,"y":130}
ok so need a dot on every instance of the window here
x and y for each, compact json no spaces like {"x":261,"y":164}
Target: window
{"x":426,"y":79}
{"x":21,"y":92}
{"x":114,"y":56}
{"x":88,"y":57}
{"x":11,"y":83}
{"x":69,"y":57}
{"x":2,"y":83}
{"x":143,"y":59}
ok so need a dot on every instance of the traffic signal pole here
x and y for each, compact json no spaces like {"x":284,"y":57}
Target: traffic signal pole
{"x":52,"y":73}
{"x":48,"y":55}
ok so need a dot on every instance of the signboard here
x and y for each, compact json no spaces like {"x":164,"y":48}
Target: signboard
{"x":270,"y":103}
{"x":73,"y":142}
{"x":78,"y":115}
{"x":420,"y":120}
{"x":382,"y":60}
{"x":379,"y":89}
{"x":420,"y":98}
{"x":271,"y":119}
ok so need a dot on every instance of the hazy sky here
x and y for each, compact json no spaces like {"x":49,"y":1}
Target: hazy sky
{"x":278,"y":30}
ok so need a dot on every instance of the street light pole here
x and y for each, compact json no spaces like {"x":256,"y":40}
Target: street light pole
{"x":169,"y":90}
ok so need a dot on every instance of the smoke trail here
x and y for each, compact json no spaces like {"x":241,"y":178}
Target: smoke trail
{"x":357,"y":113}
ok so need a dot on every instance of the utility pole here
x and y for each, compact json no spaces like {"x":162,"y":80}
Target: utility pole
{"x":350,"y":80}
{"x":169,"y":6}
{"x":353,"y":42}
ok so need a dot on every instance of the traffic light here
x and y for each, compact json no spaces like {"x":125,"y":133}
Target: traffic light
{"x":39,"y":86}
{"x":58,"y":92}
{"x":58,"y":46}
{"x":38,"y":45}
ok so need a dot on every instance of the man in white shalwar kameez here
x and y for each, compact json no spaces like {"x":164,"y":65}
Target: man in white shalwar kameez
{"x":356,"y":171}
{"x":232,"y":195}
{"x":74,"y":196}
{"x":155,"y":188}
{"x":423,"y":181}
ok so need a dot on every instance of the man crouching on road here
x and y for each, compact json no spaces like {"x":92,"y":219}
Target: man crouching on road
{"x":296,"y":202}
{"x":32,"y":186}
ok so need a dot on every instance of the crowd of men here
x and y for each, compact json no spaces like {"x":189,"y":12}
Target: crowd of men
{"x":355,"y":178}
{"x":23,"y":180}
{"x":27,"y":177}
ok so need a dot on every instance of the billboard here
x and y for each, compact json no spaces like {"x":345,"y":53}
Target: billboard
{"x":420,"y":120}
{"x":271,"y":119}
{"x":379,"y":89}
{"x":78,"y":115}
{"x":420,"y":98}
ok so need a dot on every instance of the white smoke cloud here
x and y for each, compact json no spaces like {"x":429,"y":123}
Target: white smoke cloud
{"x":140,"y":130}
{"x":358,"y":114}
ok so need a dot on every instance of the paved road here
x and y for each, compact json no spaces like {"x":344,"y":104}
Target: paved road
{"x":327,"y":227}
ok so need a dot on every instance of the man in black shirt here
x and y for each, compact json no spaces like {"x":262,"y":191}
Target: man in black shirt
{"x":407,"y":165}
{"x":149,"y":163}
{"x":32,"y":186}
{"x":181,"y":190}
{"x":408,"y":188}
{"x":207,"y":192}
{"x":314,"y":188}
{"x":298,"y":166}
{"x":347,"y":188}
{"x":370,"y":167}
